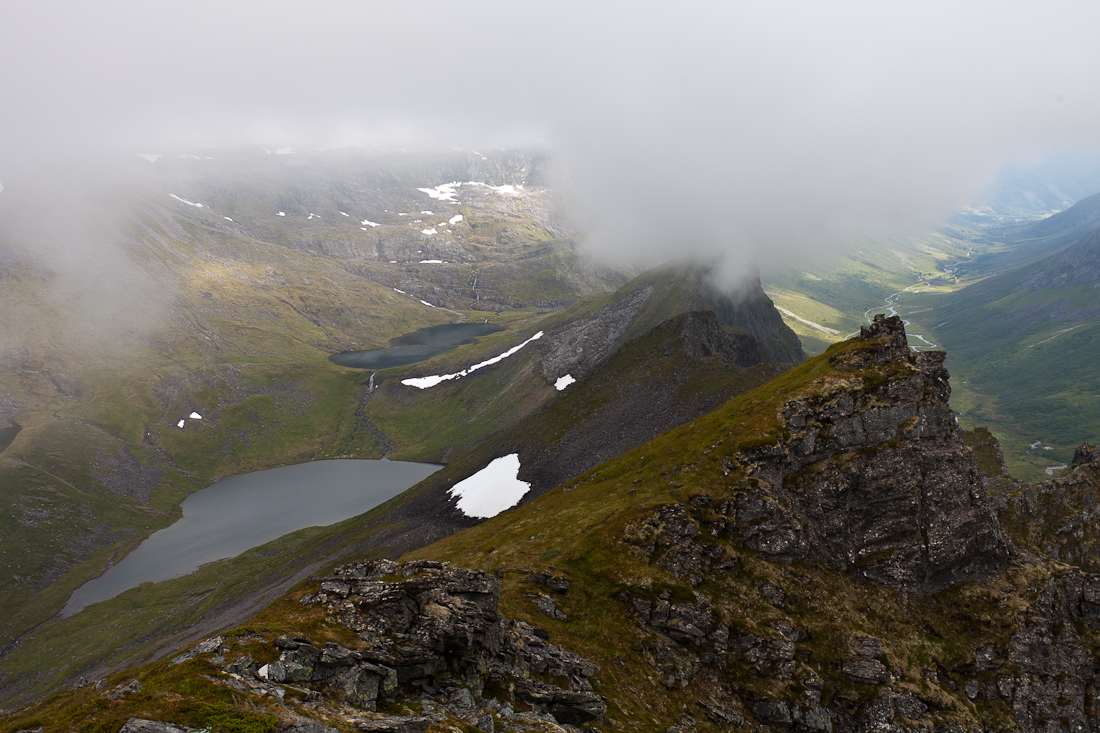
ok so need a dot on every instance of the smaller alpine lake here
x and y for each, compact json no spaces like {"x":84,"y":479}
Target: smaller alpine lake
{"x":416,"y":346}
{"x":237,"y":513}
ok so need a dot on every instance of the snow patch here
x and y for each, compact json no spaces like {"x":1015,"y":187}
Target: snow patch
{"x":425,"y":382}
{"x":492,"y":489}
{"x":429,"y":232}
{"x":369,"y":223}
{"x":428,"y":213}
{"x":564,"y":382}
{"x":151,"y":157}
{"x":189,"y":203}
{"x":431,"y":262}
{"x":195,"y":416}
{"x":427,"y":304}
{"x":442,"y":192}
{"x":400,"y":291}
{"x":281,"y":213}
{"x":455,"y":219}
{"x":505,"y":189}
{"x":181,"y":423}
{"x":227,"y":218}
{"x":344,"y":213}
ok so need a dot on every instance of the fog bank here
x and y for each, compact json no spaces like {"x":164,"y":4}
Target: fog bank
{"x":754,"y":134}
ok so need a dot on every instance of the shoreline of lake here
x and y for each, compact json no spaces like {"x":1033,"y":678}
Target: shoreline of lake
{"x":416,"y":346}
{"x":237,"y":513}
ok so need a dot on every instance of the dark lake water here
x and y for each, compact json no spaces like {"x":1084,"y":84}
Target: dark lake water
{"x":238,"y":513}
{"x":416,"y":346}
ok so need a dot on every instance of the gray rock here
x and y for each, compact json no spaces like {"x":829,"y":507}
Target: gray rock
{"x":395,"y":724}
{"x":439,"y":619}
{"x":773,"y":594}
{"x":772,"y":712}
{"x":864,"y":646}
{"x":866,"y":671}
{"x":140,"y":725}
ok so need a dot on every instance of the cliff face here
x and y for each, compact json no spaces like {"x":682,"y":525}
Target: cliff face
{"x":872,"y":477}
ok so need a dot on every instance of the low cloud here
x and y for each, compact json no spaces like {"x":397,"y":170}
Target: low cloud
{"x":749,"y":133}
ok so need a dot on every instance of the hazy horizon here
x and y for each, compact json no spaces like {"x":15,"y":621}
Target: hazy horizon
{"x":745,"y":134}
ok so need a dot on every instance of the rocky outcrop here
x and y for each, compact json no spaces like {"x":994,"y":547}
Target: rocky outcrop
{"x":869,"y":477}
{"x":1059,"y":518}
{"x":581,"y":346}
{"x":430,"y":631}
{"x":869,"y":474}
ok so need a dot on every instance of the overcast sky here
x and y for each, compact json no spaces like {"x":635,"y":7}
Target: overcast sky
{"x":747,"y":129}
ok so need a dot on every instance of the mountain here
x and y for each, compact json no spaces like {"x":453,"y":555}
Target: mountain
{"x":628,"y":389}
{"x":576,"y":341}
{"x":822,"y":552}
{"x":1035,"y":241}
{"x":1080,"y":217}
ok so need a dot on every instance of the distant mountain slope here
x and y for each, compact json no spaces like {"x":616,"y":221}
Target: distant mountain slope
{"x":1081,"y":216}
{"x":446,"y":420}
{"x":1024,"y":345}
{"x":677,"y":371}
{"x":1078,"y":264}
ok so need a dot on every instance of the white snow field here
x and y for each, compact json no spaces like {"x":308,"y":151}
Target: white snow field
{"x":492,"y":489}
{"x":564,"y":382}
{"x":425,"y":382}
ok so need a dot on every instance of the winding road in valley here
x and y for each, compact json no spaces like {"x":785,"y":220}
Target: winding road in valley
{"x":892,"y":300}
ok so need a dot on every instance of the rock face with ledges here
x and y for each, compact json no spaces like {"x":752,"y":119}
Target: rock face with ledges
{"x":871,"y":475}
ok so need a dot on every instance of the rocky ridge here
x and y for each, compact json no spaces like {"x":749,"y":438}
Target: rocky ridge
{"x":872,"y":476}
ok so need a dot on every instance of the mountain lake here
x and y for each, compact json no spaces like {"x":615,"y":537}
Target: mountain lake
{"x":237,"y":513}
{"x":415,"y":346}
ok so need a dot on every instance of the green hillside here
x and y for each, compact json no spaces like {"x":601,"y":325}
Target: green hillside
{"x":1024,"y":348}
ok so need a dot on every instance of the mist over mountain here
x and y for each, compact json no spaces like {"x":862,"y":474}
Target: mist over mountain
{"x":745,"y":135}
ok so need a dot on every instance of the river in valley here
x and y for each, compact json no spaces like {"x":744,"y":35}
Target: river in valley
{"x":238,"y":513}
{"x":416,"y":346}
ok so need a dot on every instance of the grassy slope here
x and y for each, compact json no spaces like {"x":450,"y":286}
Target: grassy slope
{"x":1021,"y":377}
